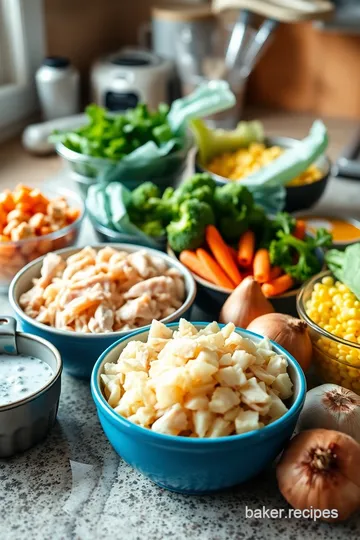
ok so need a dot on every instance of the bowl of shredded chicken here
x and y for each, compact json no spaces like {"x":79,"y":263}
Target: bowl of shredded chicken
{"x":97,"y":294}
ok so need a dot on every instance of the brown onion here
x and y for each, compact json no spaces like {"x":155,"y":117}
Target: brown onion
{"x":245,"y":304}
{"x":320,"y":469}
{"x":287,"y":331}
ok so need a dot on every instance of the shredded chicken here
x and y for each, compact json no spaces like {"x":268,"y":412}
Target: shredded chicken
{"x":103,"y":291}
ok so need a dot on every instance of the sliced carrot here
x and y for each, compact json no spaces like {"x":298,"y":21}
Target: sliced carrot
{"x":246,"y":249}
{"x":193,"y":263}
{"x":218,"y":275}
{"x":275,"y":272}
{"x":262,"y":266}
{"x":221,"y":252}
{"x":277,"y":286}
{"x":300,"y":229}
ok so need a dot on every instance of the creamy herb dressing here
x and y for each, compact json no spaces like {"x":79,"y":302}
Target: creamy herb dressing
{"x":21,"y":376}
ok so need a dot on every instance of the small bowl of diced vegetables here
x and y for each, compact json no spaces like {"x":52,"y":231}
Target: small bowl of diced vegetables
{"x":131,"y":147}
{"x":233,"y":156}
{"x":330,"y":304}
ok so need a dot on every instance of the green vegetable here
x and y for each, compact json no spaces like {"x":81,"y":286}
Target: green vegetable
{"x":153,"y":228}
{"x":233,"y":205}
{"x":345,"y":265}
{"x":141,"y":195}
{"x":199,"y":186}
{"x":212,"y":142}
{"x":188,"y":232}
{"x":286,"y":249}
{"x":114,"y":136}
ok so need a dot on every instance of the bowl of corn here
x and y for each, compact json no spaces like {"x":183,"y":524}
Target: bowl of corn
{"x":332,"y":313}
{"x":302,"y":192}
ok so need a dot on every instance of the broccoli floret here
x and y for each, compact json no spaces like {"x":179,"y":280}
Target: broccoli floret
{"x":257,"y":218}
{"x":199,"y":186}
{"x":141,"y":196}
{"x":189,"y":231}
{"x":153,"y":228}
{"x":230,"y":198}
{"x":286,"y":248}
{"x":233,"y":206}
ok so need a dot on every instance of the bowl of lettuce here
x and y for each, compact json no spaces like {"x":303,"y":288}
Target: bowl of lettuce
{"x":130,"y":147}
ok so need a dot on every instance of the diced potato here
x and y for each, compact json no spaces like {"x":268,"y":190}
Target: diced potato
{"x":283,"y":385}
{"x":277,"y":364}
{"x":232,"y":414}
{"x":200,"y":372}
{"x":208,"y":356}
{"x":202,"y":389}
{"x":277,"y":407}
{"x":159,"y":330}
{"x":196,"y":403}
{"x":220,"y":428}
{"x":262,"y":374}
{"x":134,"y":379}
{"x":186,"y":328}
{"x":157,"y":343}
{"x":144,"y":416}
{"x":212,"y":328}
{"x":202,"y":421}
{"x":228,"y":330}
{"x":252,"y":394}
{"x":210,"y":383}
{"x":172,"y":422}
{"x":226,"y":360}
{"x":231,"y":376}
{"x":246,"y":421}
{"x":243,"y":359}
{"x":223,"y":399}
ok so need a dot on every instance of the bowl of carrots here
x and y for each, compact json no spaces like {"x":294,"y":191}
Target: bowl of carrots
{"x":280,"y":259}
{"x":34,"y":222}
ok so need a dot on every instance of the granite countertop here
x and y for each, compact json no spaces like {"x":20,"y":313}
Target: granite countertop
{"x":74,"y":486}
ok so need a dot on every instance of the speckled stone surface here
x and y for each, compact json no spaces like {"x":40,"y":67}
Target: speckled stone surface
{"x":73,"y":485}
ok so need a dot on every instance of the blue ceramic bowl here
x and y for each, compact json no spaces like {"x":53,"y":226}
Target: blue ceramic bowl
{"x":189,"y":465}
{"x":79,"y":352}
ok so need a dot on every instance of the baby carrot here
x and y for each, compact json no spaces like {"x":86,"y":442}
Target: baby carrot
{"x":221,"y":252}
{"x":275,"y":272}
{"x":193,"y":263}
{"x":277,"y":286}
{"x":233,"y":254}
{"x":262,"y":265}
{"x":300,"y":229}
{"x":218,"y":275}
{"x":246,"y":249}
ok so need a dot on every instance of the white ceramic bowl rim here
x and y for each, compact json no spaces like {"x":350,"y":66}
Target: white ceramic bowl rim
{"x":188,"y":302}
{"x":125,"y":423}
{"x":46,"y":386}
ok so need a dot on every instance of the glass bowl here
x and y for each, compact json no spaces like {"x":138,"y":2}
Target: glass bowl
{"x":164,"y":172}
{"x":336,"y":360}
{"x":15,"y":255}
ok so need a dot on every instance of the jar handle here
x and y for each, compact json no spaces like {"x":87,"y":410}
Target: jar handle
{"x":8,"y":335}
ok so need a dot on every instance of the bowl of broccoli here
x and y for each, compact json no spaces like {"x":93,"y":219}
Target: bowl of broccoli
{"x":132,"y":147}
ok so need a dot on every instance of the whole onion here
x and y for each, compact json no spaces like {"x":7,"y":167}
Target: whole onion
{"x":287,"y":331}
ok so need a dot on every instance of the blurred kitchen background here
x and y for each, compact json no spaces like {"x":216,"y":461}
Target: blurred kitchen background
{"x":306,"y":67}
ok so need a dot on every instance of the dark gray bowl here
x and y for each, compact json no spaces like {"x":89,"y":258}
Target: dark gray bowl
{"x":297,"y":197}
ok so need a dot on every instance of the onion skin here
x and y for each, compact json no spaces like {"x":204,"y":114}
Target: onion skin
{"x":245,"y":304}
{"x":331,"y":406}
{"x":320,"y":469}
{"x":287,"y":331}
